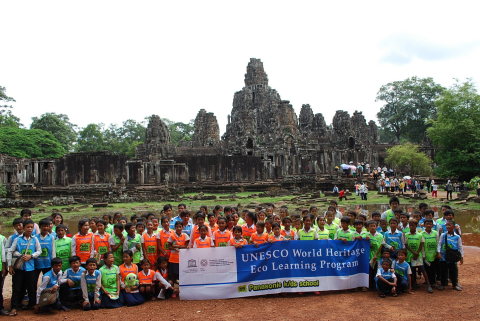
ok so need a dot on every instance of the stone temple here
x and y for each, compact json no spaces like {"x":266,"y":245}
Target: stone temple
{"x":264,"y":141}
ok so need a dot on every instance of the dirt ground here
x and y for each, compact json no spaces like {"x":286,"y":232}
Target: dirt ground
{"x":341,"y":305}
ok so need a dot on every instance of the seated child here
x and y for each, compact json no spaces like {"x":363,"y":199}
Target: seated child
{"x":50,"y":283}
{"x":386,"y":279}
{"x":70,"y":290}
{"x":145,"y":278}
{"x":110,"y":297}
{"x":160,"y":279}
{"x":129,"y":280}
{"x":91,"y":282}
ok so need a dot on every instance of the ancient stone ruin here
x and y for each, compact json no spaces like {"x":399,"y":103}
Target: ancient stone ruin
{"x":264,"y":141}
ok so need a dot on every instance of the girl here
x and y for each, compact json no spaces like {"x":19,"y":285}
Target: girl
{"x":260,"y":236}
{"x":322,"y":232}
{"x":110,"y":297}
{"x":261,"y":216}
{"x":230,"y":222}
{"x":212,"y":222}
{"x":203,"y":241}
{"x":57,"y":220}
{"x":177,"y":241}
{"x":131,"y":294}
{"x":277,"y":236}
{"x":164,"y":287}
{"x":307,"y":232}
{"x":287,"y":232}
{"x":249,"y":228}
{"x":150,"y":244}
{"x":222,"y":235}
{"x":145,"y":278}
{"x":82,"y":242}
{"x":200,"y":221}
{"x":101,"y":242}
{"x":237,"y":240}
{"x":163,"y":237}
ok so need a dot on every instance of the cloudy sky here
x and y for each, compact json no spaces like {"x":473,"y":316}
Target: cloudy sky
{"x":108,"y":61}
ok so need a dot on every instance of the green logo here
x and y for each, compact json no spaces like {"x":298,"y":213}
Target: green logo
{"x":242,"y":288}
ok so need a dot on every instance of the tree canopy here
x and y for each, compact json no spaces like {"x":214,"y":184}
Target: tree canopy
{"x":7,"y":119}
{"x":408,"y":159}
{"x":455,"y":133}
{"x":409,"y":104}
{"x":179,"y":132}
{"x":59,"y":126}
{"x":29,"y":143}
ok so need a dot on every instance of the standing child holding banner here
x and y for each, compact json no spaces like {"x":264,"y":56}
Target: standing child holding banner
{"x":249,"y":227}
{"x":260,"y":236}
{"x":177,"y":241}
{"x":277,"y":236}
{"x":221,"y":236}
{"x":237,"y":240}
{"x":307,"y":233}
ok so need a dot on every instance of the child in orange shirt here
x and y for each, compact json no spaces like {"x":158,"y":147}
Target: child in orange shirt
{"x":249,"y":227}
{"x":163,"y":236}
{"x":276,"y":236}
{"x":222,"y":235}
{"x":237,"y":240}
{"x":259,"y":237}
{"x":212,"y":222}
{"x":203,"y":241}
{"x":200,"y":221}
{"x":145,"y":279}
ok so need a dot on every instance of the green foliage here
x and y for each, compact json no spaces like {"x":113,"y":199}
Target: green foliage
{"x":118,"y":139}
{"x":7,"y":119}
{"x":91,"y":139}
{"x":59,"y":126}
{"x":126,"y":138}
{"x":408,"y":159}
{"x":408,"y":106}
{"x":474,"y":183}
{"x":179,"y":132}
{"x":455,"y":133}
{"x":3,"y":190}
{"x":29,"y":143}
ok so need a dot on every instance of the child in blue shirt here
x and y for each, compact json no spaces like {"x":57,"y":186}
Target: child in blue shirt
{"x":403,"y":272}
{"x":47,"y":244}
{"x":51,"y":281}
{"x":71,"y":291}
{"x":449,"y":269}
{"x":91,"y":282}
{"x":386,"y":279}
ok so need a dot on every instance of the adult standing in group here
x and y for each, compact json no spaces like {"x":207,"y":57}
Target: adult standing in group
{"x":449,"y":189}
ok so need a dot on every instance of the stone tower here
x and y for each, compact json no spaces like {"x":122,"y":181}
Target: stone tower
{"x":260,"y":121}
{"x":207,"y":132}
{"x":157,"y":140}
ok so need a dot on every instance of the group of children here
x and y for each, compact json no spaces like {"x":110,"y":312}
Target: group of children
{"x":113,"y":261}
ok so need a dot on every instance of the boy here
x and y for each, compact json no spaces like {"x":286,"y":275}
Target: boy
{"x":50,"y":283}
{"x":343,"y":233}
{"x":178,"y":240}
{"x":237,"y":240}
{"x":306,"y":233}
{"x":63,"y":246}
{"x":70,"y":290}
{"x":116,"y":244}
{"x":28,"y":248}
{"x":431,"y":255}
{"x":394,"y":240}
{"x":376,"y":240}
{"x":91,"y":282}
{"x":47,"y":244}
{"x":133,"y":243}
{"x":403,"y":272}
{"x":322,"y":232}
{"x":386,"y":279}
{"x":287,"y":232}
{"x":357,"y":234}
{"x":259,"y":237}
{"x":382,"y":226}
{"x":388,"y":214}
{"x":414,"y":243}
{"x":25,"y":215}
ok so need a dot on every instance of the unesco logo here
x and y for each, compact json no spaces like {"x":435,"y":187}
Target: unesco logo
{"x":204,"y":262}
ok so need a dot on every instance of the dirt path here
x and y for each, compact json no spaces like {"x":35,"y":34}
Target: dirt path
{"x":344,"y":305}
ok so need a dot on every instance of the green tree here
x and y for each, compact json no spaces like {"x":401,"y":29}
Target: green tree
{"x":409,"y":104}
{"x":179,"y":132}
{"x":29,"y":143}
{"x":124,"y":139}
{"x":455,"y":133}
{"x":91,"y":139}
{"x":59,"y":126}
{"x":408,"y":159}
{"x":7,"y":119}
